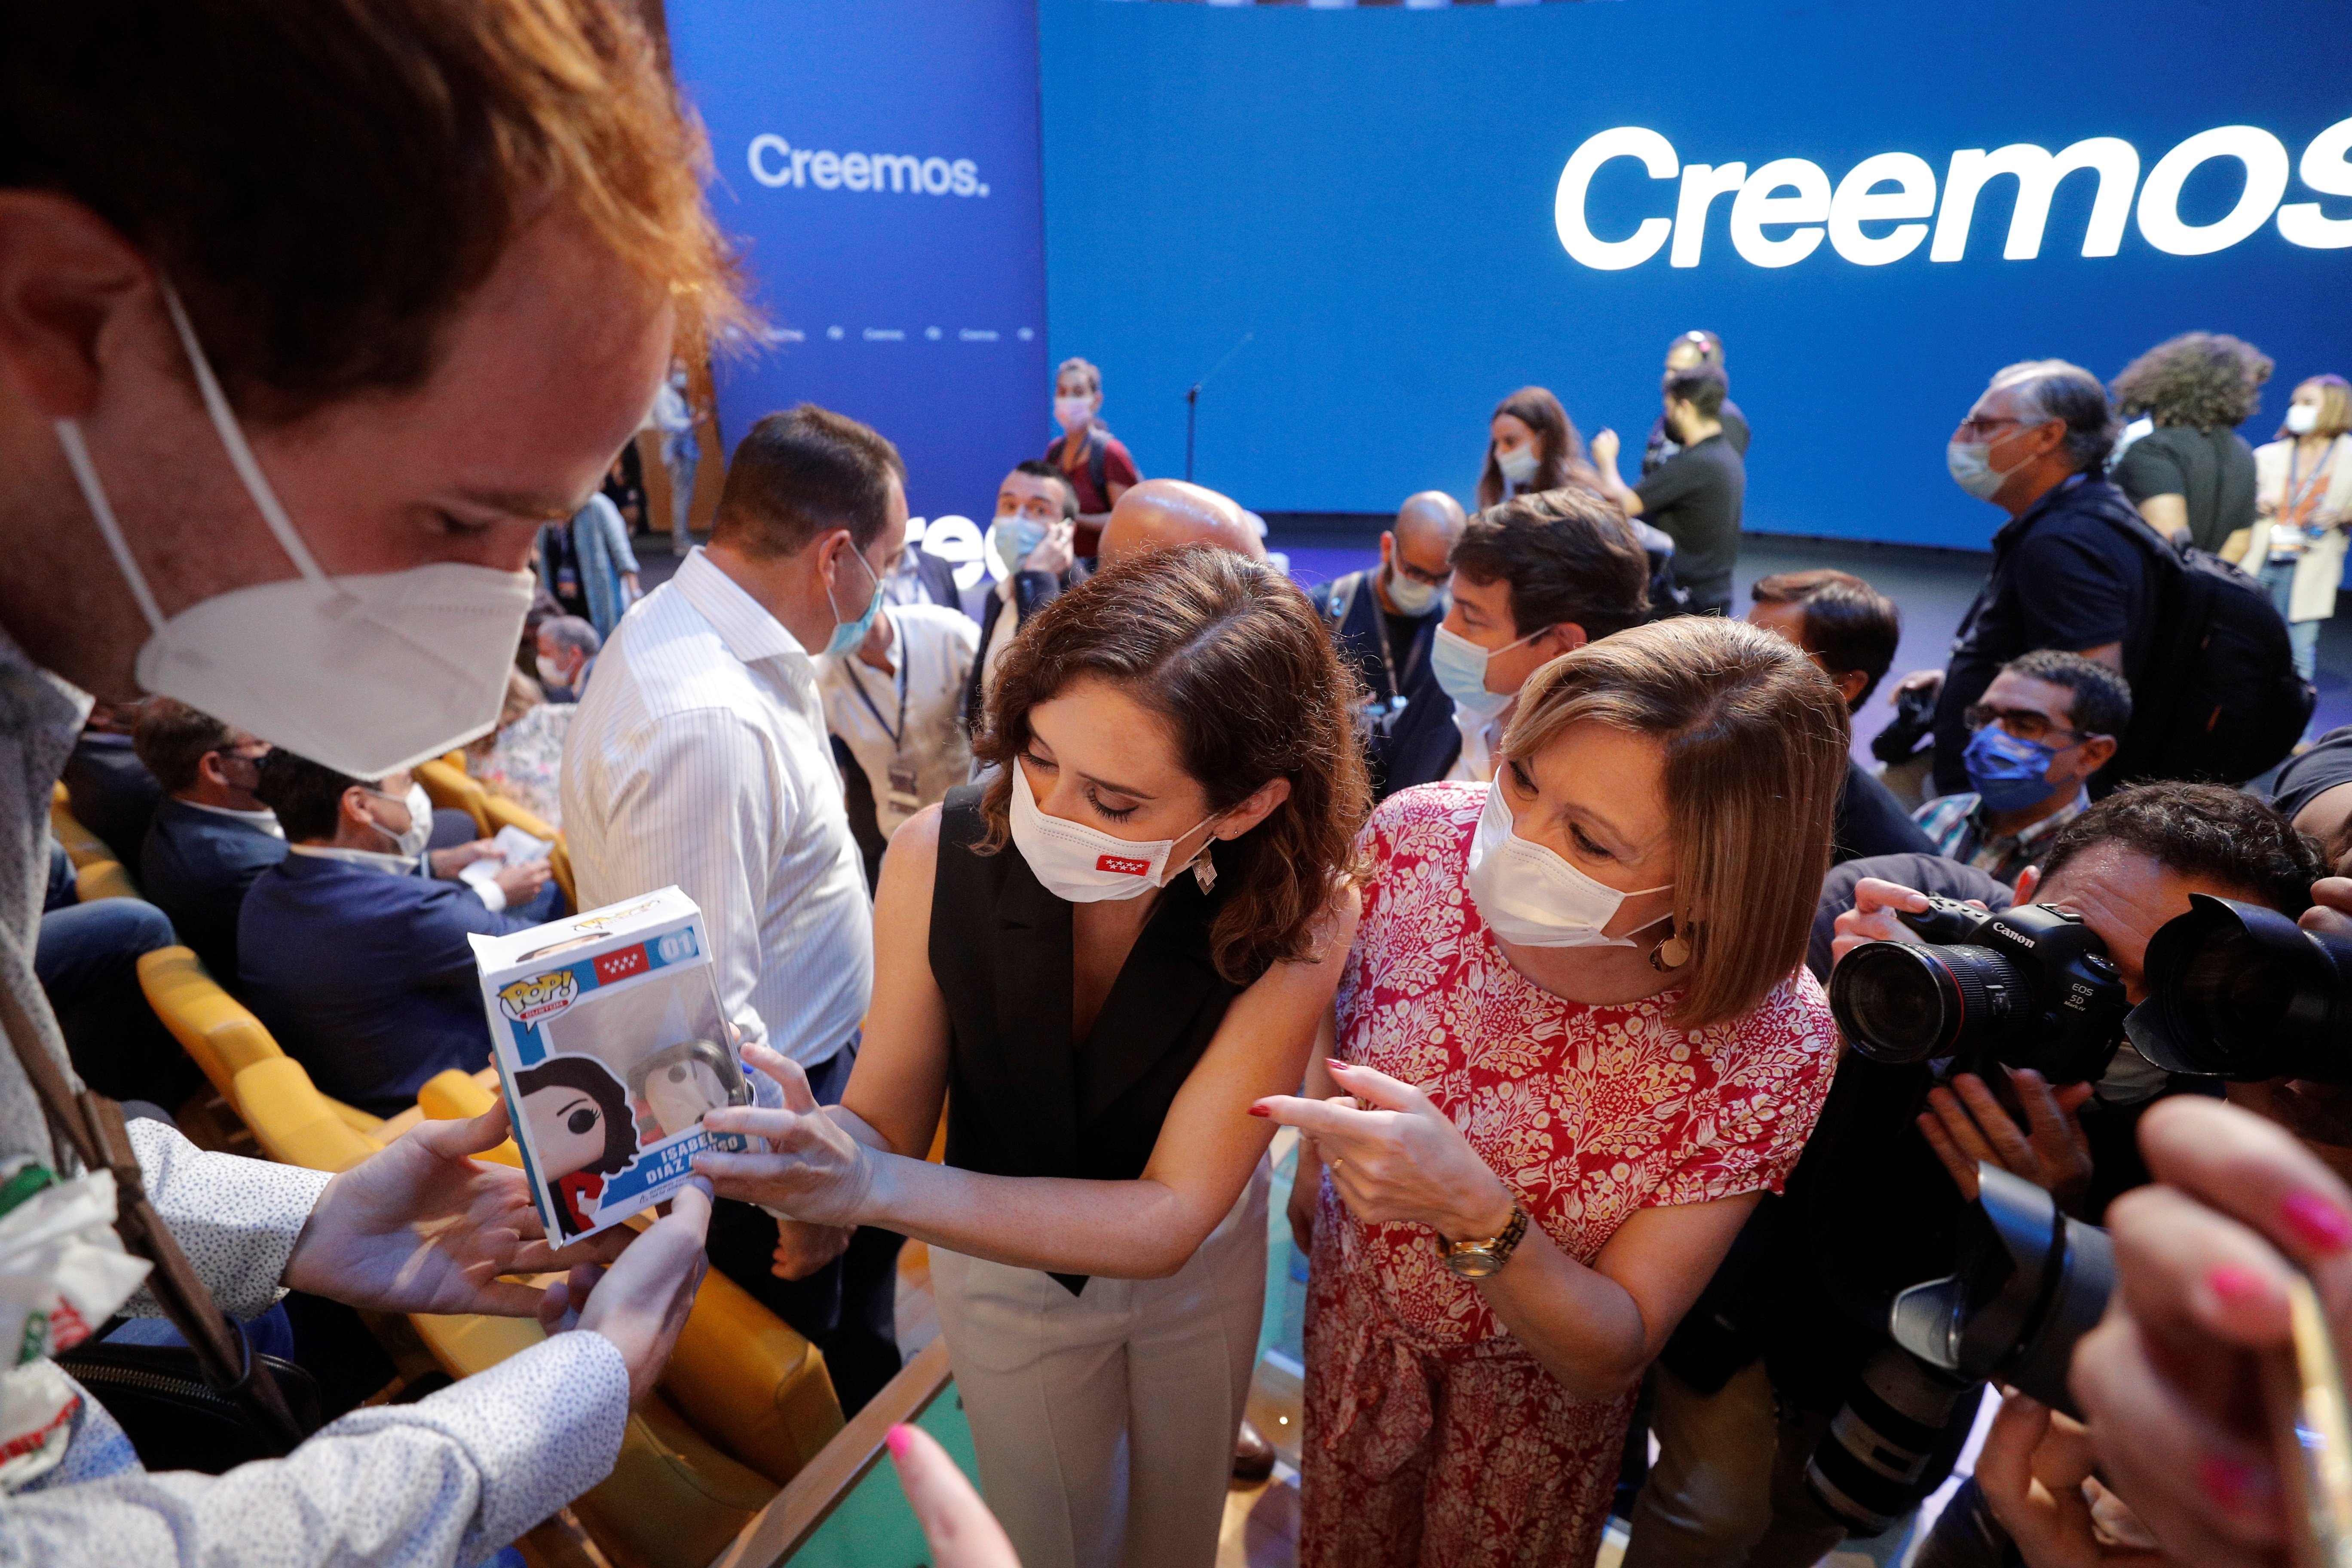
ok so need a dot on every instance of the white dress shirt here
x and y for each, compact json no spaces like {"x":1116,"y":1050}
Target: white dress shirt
{"x":1481,"y":738}
{"x":699,"y":760}
{"x":910,"y":719}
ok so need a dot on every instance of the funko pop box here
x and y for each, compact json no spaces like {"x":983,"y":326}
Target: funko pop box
{"x":611,"y":1043}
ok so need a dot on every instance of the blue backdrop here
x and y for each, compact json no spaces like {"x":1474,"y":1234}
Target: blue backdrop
{"x":1371,"y":193}
{"x":879,"y":160}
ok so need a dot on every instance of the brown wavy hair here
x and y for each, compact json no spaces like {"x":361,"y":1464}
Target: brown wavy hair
{"x":1755,"y":739}
{"x":2203,"y":379}
{"x":1559,"y":450}
{"x":1234,"y":657}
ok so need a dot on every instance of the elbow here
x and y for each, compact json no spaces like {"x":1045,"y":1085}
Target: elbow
{"x":1601,"y":1384}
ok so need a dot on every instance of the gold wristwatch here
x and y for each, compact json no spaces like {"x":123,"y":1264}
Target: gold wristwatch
{"x":1478,"y":1259}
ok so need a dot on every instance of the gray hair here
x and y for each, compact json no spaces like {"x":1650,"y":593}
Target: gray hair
{"x":2054,"y":389}
{"x":572,"y":632}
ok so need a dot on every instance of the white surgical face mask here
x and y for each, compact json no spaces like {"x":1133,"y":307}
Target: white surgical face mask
{"x":1411,"y":595}
{"x":1074,"y":414}
{"x":551,"y":673}
{"x":1518,"y":464}
{"x":1970,"y":463}
{"x":1529,"y":896}
{"x":412,"y":841}
{"x":1085,"y":864}
{"x":1459,"y":665}
{"x":2301,"y":418}
{"x":1010,"y":541}
{"x":365,"y":675}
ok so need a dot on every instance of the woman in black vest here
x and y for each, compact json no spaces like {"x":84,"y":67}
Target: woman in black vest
{"x":1099,"y":960}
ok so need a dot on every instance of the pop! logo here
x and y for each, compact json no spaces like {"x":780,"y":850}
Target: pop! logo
{"x":1126,"y":865}
{"x":538,"y":996}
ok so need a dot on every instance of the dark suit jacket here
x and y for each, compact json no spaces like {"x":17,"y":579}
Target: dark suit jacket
{"x":1032,"y":592}
{"x":365,"y":976}
{"x":112,"y":791}
{"x":195,"y":867}
{"x":1870,"y":821}
{"x":1404,"y":747}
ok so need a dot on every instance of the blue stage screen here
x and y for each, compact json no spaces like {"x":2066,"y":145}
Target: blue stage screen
{"x":1373,"y":194}
{"x":880,"y":160}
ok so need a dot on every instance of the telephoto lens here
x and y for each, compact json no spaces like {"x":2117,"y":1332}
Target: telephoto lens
{"x":2029,"y":1283}
{"x":2240,"y":992}
{"x":2029,"y":988}
{"x":1879,"y":1457}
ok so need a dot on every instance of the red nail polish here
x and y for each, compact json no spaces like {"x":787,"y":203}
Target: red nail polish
{"x":1335,"y":1064}
{"x":1259,"y":1110}
{"x":2234,"y":1285}
{"x":899,"y":1438}
{"x":2232,"y":1483}
{"x":2318,"y":1222}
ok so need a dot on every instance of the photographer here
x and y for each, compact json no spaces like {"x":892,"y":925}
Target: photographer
{"x":1872,"y":1207}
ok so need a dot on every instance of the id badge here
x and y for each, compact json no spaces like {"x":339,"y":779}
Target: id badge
{"x":903,"y":796}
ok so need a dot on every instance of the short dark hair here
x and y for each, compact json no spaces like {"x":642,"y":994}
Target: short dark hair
{"x":2054,"y":389}
{"x":1702,"y":386}
{"x":804,"y":472}
{"x":1568,"y":555}
{"x":307,"y":796}
{"x":1710,"y":347}
{"x":174,"y":739}
{"x":2223,"y":834}
{"x":2100,"y":701}
{"x":327,"y":184}
{"x":1849,"y":626}
{"x":1037,"y":469}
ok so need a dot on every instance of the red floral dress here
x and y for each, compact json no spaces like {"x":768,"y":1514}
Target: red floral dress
{"x":1431,"y":1438}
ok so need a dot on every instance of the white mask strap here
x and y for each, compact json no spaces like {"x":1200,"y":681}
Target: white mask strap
{"x":94,"y":494}
{"x":224,"y":419}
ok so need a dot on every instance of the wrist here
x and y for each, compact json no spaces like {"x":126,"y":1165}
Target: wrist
{"x":1484,"y":1215}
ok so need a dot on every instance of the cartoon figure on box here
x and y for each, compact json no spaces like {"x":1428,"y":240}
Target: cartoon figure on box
{"x":581,"y":1129}
{"x":679,"y":1084}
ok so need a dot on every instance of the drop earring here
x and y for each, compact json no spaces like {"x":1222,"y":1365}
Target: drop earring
{"x":1671,"y":953}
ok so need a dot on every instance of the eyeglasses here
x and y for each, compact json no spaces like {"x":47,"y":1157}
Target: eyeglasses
{"x":1426,"y":579}
{"x":2022,"y":722}
{"x":1976,"y":426}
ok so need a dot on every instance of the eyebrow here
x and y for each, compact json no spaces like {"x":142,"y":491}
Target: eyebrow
{"x":577,"y":1098}
{"x":1104,"y":784}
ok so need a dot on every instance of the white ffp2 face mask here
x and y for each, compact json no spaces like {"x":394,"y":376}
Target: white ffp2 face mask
{"x":2301,"y":418}
{"x":1517,"y":465}
{"x":1529,"y":896}
{"x":365,"y":675}
{"x":1085,"y":864}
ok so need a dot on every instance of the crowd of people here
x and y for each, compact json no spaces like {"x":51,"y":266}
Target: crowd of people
{"x":1511,"y":871}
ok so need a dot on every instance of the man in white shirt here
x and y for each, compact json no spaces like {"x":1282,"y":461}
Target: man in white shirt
{"x":700,"y":758}
{"x":1034,"y":539}
{"x":895,"y":706}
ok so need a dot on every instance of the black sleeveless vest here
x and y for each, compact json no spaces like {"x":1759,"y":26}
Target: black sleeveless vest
{"x":1024,"y":1099}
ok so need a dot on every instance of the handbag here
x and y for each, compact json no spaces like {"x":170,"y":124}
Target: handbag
{"x":155,"y":1389}
{"x":177,"y":1420}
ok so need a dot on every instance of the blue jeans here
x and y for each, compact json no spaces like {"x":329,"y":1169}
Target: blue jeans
{"x":2278,"y":576}
{"x":88,"y":961}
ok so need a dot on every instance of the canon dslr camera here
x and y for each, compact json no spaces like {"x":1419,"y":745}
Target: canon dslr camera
{"x":2028,"y":987}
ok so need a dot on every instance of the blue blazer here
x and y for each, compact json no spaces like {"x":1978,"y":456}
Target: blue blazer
{"x":111,"y":792}
{"x":365,"y":976}
{"x":196,"y":868}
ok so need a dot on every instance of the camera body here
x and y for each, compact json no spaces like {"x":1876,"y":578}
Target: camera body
{"x":2030,"y":986}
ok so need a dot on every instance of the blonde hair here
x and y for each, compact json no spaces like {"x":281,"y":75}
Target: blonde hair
{"x":2335,"y":406}
{"x":1755,"y":742}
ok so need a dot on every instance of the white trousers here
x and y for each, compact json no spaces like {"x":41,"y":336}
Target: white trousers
{"x":1104,"y":1422}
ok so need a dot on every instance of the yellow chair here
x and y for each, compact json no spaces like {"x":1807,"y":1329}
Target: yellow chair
{"x":559,"y":860}
{"x":293,"y":1122}
{"x":445,"y":780}
{"x":99,"y":879}
{"x":97,"y":873}
{"x":212,"y":1027}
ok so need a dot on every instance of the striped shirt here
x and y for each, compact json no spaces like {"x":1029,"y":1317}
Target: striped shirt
{"x":698,"y":760}
{"x":1956,"y":825}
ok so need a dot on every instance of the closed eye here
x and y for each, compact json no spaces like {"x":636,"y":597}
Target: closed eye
{"x":1584,"y":842}
{"x":1119,"y":814}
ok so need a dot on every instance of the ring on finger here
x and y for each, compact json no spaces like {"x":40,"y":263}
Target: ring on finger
{"x":1337,"y":1163}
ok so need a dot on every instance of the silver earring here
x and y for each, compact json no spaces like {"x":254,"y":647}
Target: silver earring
{"x":1205,"y":869}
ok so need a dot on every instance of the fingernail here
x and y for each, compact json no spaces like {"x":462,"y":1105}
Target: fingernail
{"x":1259,"y":1110}
{"x":2235,"y":1285}
{"x":1335,"y":1064}
{"x":2234,"y":1483}
{"x":899,"y":1438}
{"x":2318,"y":1221}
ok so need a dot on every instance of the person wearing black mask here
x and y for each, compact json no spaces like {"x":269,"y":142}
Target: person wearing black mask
{"x":1383,"y":618}
{"x":1694,"y":497}
{"x":1690,"y":352}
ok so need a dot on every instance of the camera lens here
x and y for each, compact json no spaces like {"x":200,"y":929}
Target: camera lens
{"x":2241,"y":992}
{"x":1901,"y":1002}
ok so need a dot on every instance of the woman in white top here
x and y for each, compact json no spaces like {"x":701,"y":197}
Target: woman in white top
{"x":2303,"y":490}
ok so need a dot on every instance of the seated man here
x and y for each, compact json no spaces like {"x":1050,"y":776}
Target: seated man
{"x":2049,"y":720}
{"x":108,"y":788}
{"x":1383,"y":619}
{"x":210,"y":835}
{"x":1036,"y":519}
{"x":568,"y":647}
{"x":1159,"y":514}
{"x":86,"y":960}
{"x":354,"y":957}
{"x":1851,"y":630}
{"x":1534,"y":577}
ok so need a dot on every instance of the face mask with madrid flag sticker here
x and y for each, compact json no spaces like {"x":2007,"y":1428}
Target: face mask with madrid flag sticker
{"x":1085,"y":864}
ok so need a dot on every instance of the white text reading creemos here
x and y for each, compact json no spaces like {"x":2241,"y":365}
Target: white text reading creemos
{"x":776,"y":162}
{"x":1794,"y":199}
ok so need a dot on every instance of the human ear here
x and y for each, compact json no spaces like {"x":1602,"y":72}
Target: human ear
{"x":2096,"y":749}
{"x":67,"y":279}
{"x":1565,"y":637}
{"x":1254,"y":810}
{"x":1850,"y":684}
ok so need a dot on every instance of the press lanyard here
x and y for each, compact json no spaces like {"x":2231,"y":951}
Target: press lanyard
{"x":857,"y":683}
{"x":2303,"y":495}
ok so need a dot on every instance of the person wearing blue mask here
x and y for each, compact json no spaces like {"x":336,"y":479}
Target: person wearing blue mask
{"x":2047,"y":722}
{"x":1533,"y":578}
{"x":1031,"y":553}
{"x":699,"y":759}
{"x":1384,"y":618}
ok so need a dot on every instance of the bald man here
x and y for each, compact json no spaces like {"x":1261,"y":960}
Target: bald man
{"x":1383,"y":619}
{"x":1159,"y":514}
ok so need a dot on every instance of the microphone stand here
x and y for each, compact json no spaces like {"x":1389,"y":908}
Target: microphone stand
{"x":1193,"y":400}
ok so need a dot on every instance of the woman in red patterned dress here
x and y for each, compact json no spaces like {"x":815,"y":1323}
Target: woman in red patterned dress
{"x":1592,"y":970}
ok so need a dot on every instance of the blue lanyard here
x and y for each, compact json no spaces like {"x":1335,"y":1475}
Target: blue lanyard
{"x":857,"y":684}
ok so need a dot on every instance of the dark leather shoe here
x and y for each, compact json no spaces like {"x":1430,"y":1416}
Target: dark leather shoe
{"x":1253,"y":1455}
